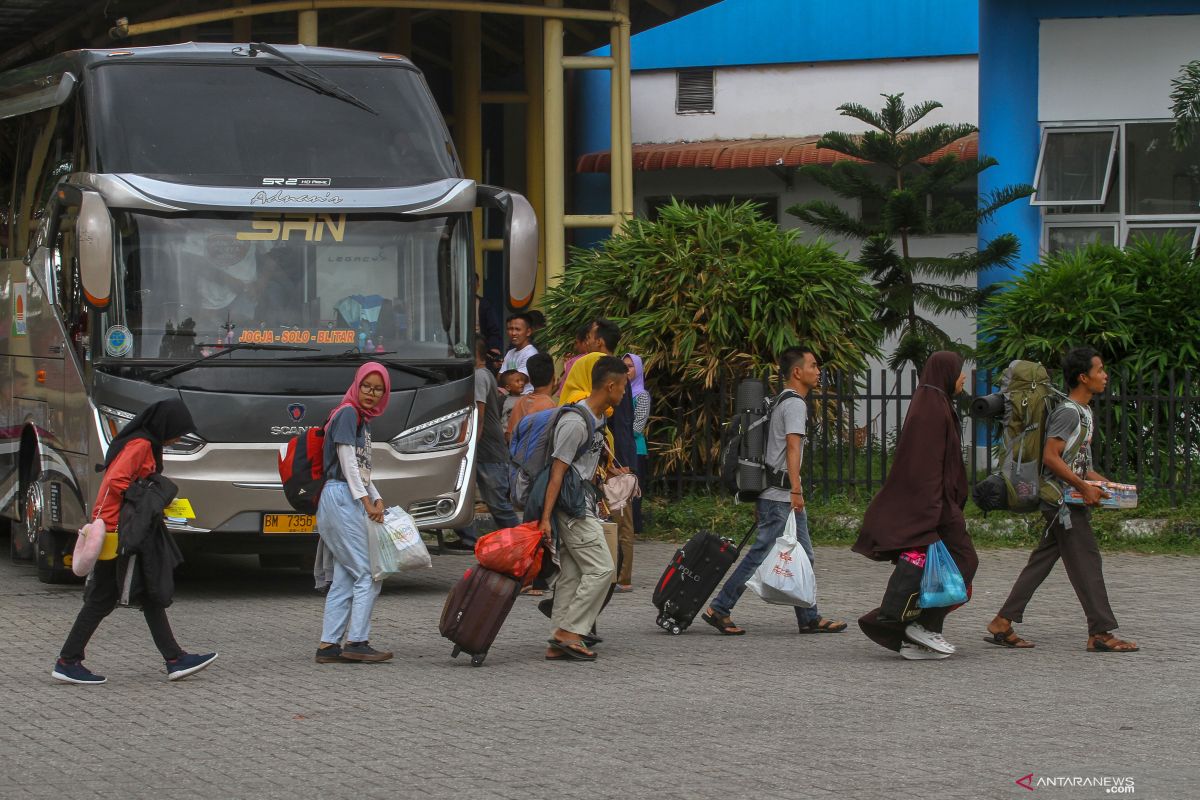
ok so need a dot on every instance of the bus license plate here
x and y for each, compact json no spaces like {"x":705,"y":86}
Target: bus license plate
{"x":289,"y":523}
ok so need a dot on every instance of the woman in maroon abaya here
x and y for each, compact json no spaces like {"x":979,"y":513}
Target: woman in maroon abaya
{"x":921,"y":502}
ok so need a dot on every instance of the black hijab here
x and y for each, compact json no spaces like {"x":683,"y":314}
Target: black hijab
{"x":166,"y":419}
{"x":927,"y":483}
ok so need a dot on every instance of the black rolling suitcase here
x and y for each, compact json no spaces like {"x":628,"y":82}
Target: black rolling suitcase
{"x":692,"y":576}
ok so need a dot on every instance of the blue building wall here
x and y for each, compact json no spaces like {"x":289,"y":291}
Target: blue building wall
{"x":1008,"y":101}
{"x":745,"y":32}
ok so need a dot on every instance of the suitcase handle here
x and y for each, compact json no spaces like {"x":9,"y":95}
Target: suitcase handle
{"x":746,"y":538}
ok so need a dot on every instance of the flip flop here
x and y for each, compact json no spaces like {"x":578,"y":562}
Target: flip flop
{"x":723,"y":624}
{"x":1008,"y":639}
{"x":572,"y":651}
{"x":824,"y":626}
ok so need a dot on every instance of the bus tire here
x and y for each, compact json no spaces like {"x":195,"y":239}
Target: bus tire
{"x":22,"y":541}
{"x":52,"y":546}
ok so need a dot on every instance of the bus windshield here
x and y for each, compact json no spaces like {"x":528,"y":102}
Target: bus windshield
{"x":188,"y":284}
{"x":236,"y":124}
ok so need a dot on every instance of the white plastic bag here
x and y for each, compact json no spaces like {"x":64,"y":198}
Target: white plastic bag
{"x":411,"y":552}
{"x":786,"y":576}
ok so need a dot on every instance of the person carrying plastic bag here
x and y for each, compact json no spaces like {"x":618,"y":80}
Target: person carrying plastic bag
{"x":917,"y":518}
{"x":786,"y":576}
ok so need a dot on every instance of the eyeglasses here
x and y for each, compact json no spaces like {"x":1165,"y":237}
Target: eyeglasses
{"x":371,"y":390}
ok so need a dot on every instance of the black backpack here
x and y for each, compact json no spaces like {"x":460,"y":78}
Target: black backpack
{"x":744,"y":471}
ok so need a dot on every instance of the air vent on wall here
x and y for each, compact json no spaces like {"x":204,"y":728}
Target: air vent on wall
{"x":694,"y":91}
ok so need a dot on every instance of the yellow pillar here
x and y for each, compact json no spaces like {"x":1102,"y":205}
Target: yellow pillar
{"x":555,"y":148}
{"x":468,"y":110}
{"x":621,"y":74}
{"x":535,"y":167}
{"x":616,"y":163}
{"x":306,"y":28}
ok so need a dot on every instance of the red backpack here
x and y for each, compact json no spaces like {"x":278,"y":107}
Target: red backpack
{"x":302,"y":467}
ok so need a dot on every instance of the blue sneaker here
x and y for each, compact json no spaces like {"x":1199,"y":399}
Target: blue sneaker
{"x":188,"y":664}
{"x":76,"y":672}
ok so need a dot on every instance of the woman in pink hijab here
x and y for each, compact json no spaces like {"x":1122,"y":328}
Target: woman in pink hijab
{"x":348,"y":500}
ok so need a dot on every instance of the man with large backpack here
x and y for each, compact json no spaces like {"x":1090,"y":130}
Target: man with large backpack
{"x":800,"y":374}
{"x":566,"y":510}
{"x":1066,"y":465}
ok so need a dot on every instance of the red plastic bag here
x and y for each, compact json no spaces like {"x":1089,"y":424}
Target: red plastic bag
{"x":516,"y":552}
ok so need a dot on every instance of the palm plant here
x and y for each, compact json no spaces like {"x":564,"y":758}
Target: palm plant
{"x":915,"y":198}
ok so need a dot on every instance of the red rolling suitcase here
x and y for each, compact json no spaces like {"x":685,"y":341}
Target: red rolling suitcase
{"x":476,"y":609}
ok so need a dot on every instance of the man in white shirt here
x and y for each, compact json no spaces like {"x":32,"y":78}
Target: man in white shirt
{"x":519,"y":333}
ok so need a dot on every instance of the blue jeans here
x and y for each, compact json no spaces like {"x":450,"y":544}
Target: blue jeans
{"x":492,"y":480}
{"x":772,"y":516}
{"x":342,"y":522}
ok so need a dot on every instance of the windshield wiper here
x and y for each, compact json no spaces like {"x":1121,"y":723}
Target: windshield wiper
{"x":310,"y":77}
{"x":400,"y":366}
{"x":163,"y":374}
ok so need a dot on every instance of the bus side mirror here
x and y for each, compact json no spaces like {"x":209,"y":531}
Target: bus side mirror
{"x":520,"y":241}
{"x":94,"y":232}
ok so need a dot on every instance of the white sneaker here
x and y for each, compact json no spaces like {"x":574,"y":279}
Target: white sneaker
{"x":919,"y":634}
{"x":919,"y":652}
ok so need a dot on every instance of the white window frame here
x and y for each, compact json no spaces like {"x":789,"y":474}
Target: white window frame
{"x":1129,"y":227}
{"x":1115,"y":143}
{"x":1073,"y":223}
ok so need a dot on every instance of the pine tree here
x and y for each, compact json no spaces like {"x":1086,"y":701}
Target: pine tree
{"x":915,"y":200}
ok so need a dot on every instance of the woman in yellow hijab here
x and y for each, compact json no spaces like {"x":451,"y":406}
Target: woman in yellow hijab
{"x":578,"y":386}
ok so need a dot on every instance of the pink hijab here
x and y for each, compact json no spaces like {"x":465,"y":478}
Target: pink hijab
{"x":351,"y":396}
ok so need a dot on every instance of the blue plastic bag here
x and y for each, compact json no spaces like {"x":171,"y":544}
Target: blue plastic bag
{"x":942,"y":584}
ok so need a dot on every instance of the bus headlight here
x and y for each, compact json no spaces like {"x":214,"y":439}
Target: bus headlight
{"x":113,"y":419}
{"x":444,"y":433}
{"x":111,"y":422}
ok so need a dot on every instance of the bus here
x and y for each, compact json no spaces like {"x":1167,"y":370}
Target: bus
{"x":239,"y":227}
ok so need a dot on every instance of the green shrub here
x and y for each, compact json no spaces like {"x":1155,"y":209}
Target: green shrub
{"x":707,"y":296}
{"x":1136,"y":306}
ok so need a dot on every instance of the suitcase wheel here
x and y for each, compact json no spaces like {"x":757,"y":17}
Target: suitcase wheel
{"x":454,"y":653}
{"x":675,"y":630}
{"x":477,"y":660}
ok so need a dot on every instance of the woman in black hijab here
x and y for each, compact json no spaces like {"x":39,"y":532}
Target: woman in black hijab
{"x":134,"y":454}
{"x":920,"y":503}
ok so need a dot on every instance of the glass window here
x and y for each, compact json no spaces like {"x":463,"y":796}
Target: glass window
{"x":236,"y":124}
{"x":1185,"y":233}
{"x":1069,"y":237}
{"x":1075,"y":166}
{"x":1160,"y":179}
{"x":188,"y":284}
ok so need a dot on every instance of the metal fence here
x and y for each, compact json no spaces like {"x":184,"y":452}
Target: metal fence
{"x":1148,"y":433}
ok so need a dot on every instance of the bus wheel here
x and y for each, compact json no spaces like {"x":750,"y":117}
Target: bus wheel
{"x":53,"y":547}
{"x":22,"y":542}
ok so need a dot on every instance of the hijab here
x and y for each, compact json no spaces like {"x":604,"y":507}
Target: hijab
{"x":578,"y":384}
{"x":638,"y":384}
{"x":927,"y":483}
{"x":351,"y":396}
{"x":158,"y":422}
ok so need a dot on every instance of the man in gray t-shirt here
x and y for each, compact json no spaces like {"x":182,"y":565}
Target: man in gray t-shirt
{"x":570,"y":435}
{"x":585,"y":563}
{"x":1067,"y":462}
{"x":491,"y":454}
{"x":789,"y":418}
{"x":800,"y":374}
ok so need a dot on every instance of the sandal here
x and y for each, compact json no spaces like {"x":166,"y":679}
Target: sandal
{"x":824,"y":626}
{"x":529,"y":591}
{"x":1008,"y":638}
{"x":1107,"y":643}
{"x":723,"y":624}
{"x":572,"y":651}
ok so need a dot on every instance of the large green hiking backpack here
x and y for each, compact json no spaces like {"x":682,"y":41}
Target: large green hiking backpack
{"x":1029,"y":397}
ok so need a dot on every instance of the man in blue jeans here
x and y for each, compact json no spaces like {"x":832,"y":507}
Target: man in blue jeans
{"x":491,"y":454}
{"x":800,"y":373}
